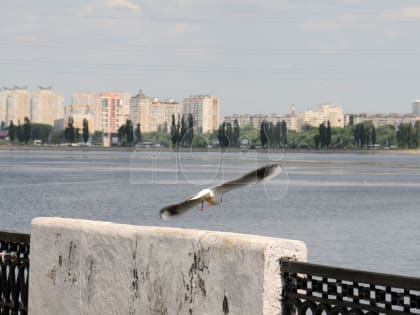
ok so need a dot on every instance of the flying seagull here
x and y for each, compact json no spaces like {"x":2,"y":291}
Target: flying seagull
{"x":213,"y":194}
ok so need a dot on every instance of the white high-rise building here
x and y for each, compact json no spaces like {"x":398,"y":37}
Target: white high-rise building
{"x":3,"y":106}
{"x":15,"y":105}
{"x":205,"y":110}
{"x":157,"y":114}
{"x":416,"y":107}
{"x":139,"y":105}
{"x":47,"y":107}
{"x":44,"y":106}
{"x":153,"y":114}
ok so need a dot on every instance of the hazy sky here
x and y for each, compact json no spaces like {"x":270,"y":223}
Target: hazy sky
{"x":258,"y":56}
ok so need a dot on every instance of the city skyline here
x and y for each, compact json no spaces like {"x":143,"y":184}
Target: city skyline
{"x":256,"y":56}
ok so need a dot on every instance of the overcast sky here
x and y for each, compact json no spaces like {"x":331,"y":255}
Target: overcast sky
{"x":258,"y":56}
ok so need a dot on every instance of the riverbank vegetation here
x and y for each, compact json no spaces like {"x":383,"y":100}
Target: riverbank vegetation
{"x":181,"y":133}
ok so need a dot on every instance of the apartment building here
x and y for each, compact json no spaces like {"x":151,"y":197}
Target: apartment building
{"x":205,"y":110}
{"x":15,"y":104}
{"x":158,"y":114}
{"x":255,"y":120}
{"x":379,"y":120}
{"x":153,"y":114}
{"x":416,"y":107}
{"x":47,"y":107}
{"x":44,"y":106}
{"x":324,"y":113}
{"x":104,"y":111}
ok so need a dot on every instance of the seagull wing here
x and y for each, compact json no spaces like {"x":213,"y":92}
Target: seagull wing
{"x":254,"y":177}
{"x":180,"y":208}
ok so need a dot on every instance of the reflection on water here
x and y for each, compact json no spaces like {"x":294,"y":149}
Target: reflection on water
{"x":353,"y":210}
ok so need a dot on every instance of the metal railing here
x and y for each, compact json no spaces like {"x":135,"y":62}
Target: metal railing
{"x":318,"y":289}
{"x":14,"y":273}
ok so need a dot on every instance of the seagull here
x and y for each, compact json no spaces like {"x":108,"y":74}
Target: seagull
{"x":213,"y":194}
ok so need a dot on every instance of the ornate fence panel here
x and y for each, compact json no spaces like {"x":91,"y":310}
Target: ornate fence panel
{"x":316,"y":289}
{"x":14,"y":273}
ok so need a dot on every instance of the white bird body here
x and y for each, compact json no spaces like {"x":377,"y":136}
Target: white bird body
{"x":213,"y":194}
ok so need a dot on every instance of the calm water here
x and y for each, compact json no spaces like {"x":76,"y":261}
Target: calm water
{"x":352,"y":210}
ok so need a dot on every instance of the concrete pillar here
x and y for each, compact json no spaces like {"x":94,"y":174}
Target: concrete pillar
{"x":87,"y":267}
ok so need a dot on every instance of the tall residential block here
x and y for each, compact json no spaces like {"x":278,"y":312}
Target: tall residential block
{"x":15,"y":104}
{"x":104,"y":111}
{"x":138,"y":110}
{"x":47,"y":107}
{"x":416,"y":107}
{"x":110,"y":113}
{"x":153,"y":114}
{"x":44,"y":106}
{"x":205,"y":110}
{"x":158,"y":114}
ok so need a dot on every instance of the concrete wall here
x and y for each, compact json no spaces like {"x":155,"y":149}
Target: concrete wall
{"x":86,"y":267}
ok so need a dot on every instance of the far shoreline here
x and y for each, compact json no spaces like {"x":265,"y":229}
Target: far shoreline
{"x":8,"y":147}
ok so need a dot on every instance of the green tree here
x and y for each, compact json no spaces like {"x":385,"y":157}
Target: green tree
{"x":417,"y":133}
{"x":26,"y":130}
{"x":85,"y":130}
{"x":137,"y":133}
{"x":373,"y":135}
{"x":328,"y":135}
{"x":41,"y":132}
{"x":12,"y":132}
{"x":283,"y":133}
{"x":174,"y":132}
{"x":229,"y":134}
{"x":277,"y":135}
{"x":263,"y":134}
{"x":129,"y":132}
{"x":386,"y":135}
{"x":183,"y":132}
{"x":57,"y":136}
{"x":317,"y":140}
{"x":69,"y":131}
{"x":19,"y":132}
{"x":222,"y":136}
{"x":190,"y":129}
{"x":77,"y":134}
{"x":121,"y":134}
{"x":236,"y":134}
{"x":322,"y":131}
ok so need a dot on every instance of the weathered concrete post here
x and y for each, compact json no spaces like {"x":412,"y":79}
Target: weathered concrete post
{"x":86,"y":267}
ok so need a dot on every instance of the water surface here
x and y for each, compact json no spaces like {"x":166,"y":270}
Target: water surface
{"x":352,"y":210}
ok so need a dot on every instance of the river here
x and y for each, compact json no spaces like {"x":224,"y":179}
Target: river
{"x":352,"y":210}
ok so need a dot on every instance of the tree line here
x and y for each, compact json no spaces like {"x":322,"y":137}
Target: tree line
{"x":28,"y":131}
{"x":228,"y":135}
{"x":273,"y":136}
{"x":364,"y":134}
{"x":268,"y":135}
{"x":20,"y":132}
{"x":408,"y":136}
{"x":182,"y":131}
{"x":72,"y":134}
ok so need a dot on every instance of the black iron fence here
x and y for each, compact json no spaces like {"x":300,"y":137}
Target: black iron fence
{"x":316,"y":289}
{"x":14,"y":273}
